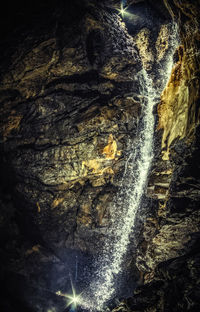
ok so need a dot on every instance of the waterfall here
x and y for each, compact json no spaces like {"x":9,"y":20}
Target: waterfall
{"x":102,"y":288}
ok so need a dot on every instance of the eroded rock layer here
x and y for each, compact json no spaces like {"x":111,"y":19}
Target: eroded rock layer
{"x":71,"y":102}
{"x":169,"y":254}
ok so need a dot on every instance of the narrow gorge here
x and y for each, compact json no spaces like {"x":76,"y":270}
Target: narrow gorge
{"x":99,"y":148}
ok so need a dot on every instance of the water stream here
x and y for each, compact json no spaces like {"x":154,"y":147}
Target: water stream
{"x":109,"y":265}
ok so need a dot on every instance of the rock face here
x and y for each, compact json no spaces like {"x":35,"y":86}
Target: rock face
{"x":168,"y":255}
{"x":70,"y":105}
{"x":67,"y":113}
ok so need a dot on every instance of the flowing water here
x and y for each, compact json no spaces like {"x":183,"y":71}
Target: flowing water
{"x":109,"y":265}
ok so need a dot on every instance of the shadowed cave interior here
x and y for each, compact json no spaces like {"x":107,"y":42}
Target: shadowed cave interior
{"x":76,"y":78}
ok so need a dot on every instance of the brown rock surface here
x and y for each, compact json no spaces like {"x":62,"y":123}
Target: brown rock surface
{"x":169,"y":252}
{"x":70,"y":106}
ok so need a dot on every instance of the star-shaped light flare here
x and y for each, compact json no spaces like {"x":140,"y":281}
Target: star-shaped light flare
{"x":73,"y":299}
{"x":122,"y":10}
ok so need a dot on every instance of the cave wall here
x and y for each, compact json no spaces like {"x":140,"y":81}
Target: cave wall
{"x":70,"y":105}
{"x":63,"y":127}
{"x":169,"y":254}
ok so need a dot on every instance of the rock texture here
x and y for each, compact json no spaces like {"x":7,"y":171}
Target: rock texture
{"x":70,"y":105}
{"x":168,"y":254}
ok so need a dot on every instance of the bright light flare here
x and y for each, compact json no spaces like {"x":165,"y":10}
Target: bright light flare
{"x":122,"y":11}
{"x":73,"y":299}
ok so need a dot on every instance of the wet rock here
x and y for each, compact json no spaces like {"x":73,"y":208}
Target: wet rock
{"x":70,"y":106}
{"x":171,"y":232}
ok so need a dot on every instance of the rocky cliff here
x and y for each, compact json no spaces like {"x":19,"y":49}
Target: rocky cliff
{"x":168,"y":256}
{"x":71,"y":103}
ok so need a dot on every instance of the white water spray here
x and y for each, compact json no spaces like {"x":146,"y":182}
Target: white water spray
{"x":110,"y":263}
